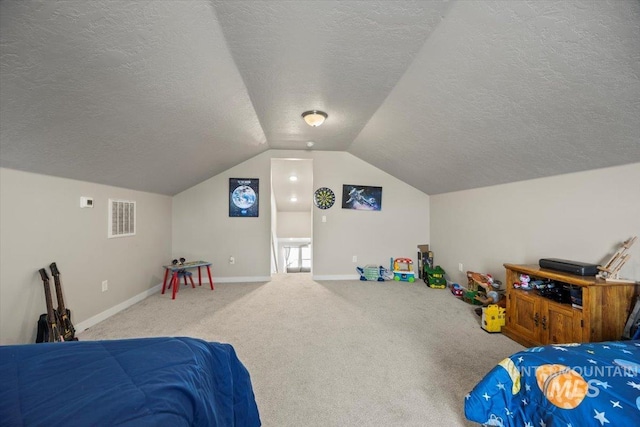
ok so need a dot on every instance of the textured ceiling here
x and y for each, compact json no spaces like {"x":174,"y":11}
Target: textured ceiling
{"x":160,"y":95}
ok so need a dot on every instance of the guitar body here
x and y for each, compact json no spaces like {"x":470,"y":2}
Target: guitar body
{"x":43,"y":329}
{"x":66,"y":327}
{"x":48,"y":331}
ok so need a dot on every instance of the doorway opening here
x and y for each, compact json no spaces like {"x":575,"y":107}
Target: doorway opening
{"x":291,"y":215}
{"x":297,"y":258}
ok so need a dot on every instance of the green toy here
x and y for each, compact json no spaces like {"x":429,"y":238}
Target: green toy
{"x":434,"y":277}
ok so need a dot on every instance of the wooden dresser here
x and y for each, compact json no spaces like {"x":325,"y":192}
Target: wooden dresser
{"x":534,"y":320}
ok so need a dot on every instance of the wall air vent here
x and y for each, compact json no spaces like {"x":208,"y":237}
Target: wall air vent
{"x":122,"y":218}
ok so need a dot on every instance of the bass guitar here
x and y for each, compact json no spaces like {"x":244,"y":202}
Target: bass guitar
{"x":48,"y":323}
{"x":64,"y":314}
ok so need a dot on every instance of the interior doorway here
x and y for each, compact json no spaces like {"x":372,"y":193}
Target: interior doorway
{"x":291,"y":215}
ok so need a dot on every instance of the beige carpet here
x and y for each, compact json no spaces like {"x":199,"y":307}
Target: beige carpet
{"x":334,"y":353}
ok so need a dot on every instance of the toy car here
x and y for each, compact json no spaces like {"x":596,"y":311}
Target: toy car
{"x":457,"y":290}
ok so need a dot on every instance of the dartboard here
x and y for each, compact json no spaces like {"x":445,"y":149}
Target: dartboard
{"x":324,"y":198}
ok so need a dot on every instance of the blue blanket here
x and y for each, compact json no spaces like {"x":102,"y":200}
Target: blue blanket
{"x":577,"y":385}
{"x":135,"y":382}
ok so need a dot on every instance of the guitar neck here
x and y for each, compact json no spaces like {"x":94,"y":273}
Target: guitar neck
{"x":56,"y":279}
{"x":48,"y":300}
{"x":61,"y":308}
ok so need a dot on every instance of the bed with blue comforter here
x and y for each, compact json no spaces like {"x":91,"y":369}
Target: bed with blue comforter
{"x":579,"y":385}
{"x":134,"y":382}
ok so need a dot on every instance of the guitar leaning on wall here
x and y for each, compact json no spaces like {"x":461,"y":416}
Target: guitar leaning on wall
{"x":48,"y":323}
{"x":66,"y":327}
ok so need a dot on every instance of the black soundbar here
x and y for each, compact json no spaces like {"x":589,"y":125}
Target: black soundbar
{"x":573,"y":267}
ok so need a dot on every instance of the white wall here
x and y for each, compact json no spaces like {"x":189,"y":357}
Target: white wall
{"x":41,"y":222}
{"x":581,"y":216}
{"x":374,"y":237}
{"x":294,"y":224}
{"x":202,"y":227}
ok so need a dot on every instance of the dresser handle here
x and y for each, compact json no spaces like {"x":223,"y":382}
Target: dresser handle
{"x":536,"y":319}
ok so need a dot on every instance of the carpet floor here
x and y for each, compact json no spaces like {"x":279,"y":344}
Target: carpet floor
{"x":334,"y":353}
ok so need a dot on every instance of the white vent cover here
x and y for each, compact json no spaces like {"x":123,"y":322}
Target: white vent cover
{"x":122,"y":218}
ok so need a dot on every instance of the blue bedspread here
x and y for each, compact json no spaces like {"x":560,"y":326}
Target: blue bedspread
{"x":135,"y":382}
{"x":576,"y":385}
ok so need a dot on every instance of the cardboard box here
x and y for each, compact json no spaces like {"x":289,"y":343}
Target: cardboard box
{"x":425,"y":259}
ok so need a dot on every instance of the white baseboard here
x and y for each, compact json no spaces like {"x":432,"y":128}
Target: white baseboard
{"x":337,"y":277}
{"x":237,"y":279}
{"x":240,"y":279}
{"x":94,"y":320}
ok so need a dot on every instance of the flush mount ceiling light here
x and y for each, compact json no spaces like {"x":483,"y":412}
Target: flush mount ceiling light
{"x":314,"y":117}
{"x":294,"y":199}
{"x":293,"y":178}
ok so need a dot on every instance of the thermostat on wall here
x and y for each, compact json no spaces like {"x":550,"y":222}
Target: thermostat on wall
{"x":86,"y":202}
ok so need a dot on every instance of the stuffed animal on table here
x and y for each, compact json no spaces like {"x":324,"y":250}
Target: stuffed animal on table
{"x":523,"y":283}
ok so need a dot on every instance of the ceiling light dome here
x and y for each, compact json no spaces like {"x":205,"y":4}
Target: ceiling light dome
{"x":314,"y":117}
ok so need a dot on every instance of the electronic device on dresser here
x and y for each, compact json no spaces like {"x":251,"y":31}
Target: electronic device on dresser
{"x":572,"y":267}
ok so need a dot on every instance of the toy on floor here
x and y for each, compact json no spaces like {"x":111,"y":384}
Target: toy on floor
{"x":493,"y":318}
{"x":403,"y":270}
{"x":457,"y":290}
{"x":482,"y":289}
{"x":485,"y":281}
{"x":435,"y":277}
{"x":374,"y":273}
{"x":492,"y":297}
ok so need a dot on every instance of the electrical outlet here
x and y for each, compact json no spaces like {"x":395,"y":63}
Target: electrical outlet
{"x":460,"y":267}
{"x":232,"y":260}
{"x":105,"y":285}
{"x":355,"y":258}
{"x":324,"y":218}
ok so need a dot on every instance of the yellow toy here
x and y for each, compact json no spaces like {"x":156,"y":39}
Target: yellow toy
{"x":493,"y":318}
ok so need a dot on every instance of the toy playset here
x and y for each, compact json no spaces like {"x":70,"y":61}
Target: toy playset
{"x":403,"y":269}
{"x":482,"y":289}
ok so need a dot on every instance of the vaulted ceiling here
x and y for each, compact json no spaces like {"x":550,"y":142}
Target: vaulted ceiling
{"x":446,"y":95}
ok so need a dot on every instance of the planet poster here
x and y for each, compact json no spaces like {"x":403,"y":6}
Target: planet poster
{"x":243,"y":197}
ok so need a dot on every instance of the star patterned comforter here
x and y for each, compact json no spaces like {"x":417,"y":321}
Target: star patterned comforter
{"x":569,"y":385}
